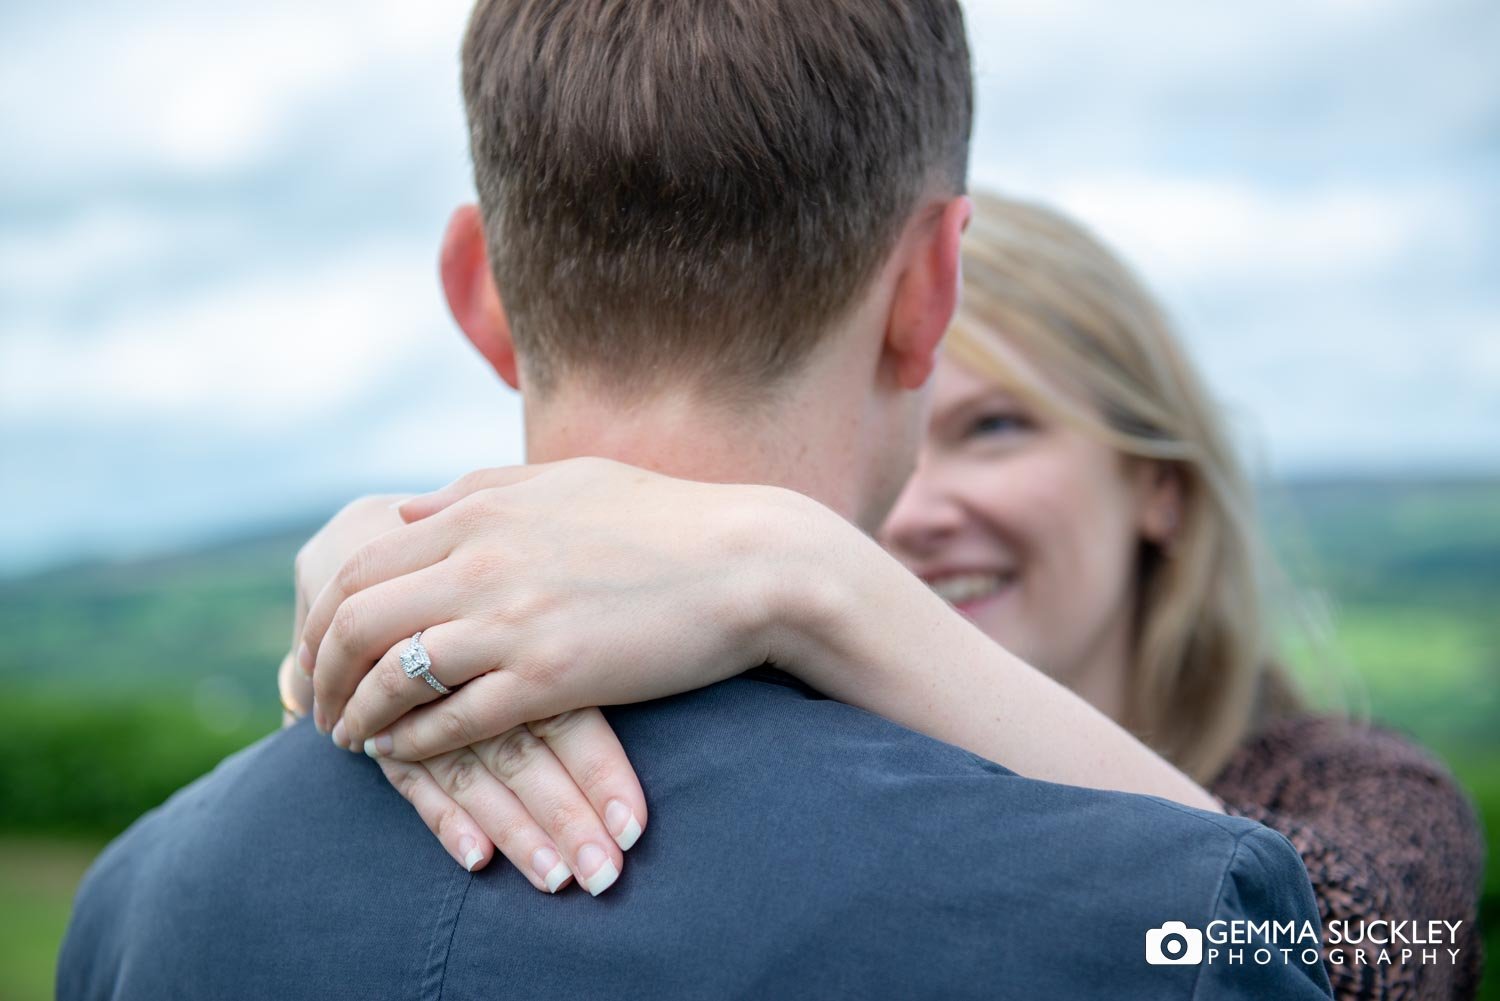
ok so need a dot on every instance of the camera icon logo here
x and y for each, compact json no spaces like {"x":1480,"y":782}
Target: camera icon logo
{"x":1174,"y":944}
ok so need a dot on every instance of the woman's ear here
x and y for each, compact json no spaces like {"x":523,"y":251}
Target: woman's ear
{"x":473,"y":299}
{"x":927,"y":295}
{"x":1161,"y":490}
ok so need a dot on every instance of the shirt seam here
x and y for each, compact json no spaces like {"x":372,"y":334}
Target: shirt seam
{"x":442,"y":946}
{"x":1216,"y":902}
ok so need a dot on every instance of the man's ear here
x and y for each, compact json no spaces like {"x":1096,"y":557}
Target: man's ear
{"x":927,"y":294}
{"x":1161,"y":501}
{"x":473,"y":299}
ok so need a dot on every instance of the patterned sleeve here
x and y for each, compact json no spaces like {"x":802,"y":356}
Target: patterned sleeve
{"x":1385,"y":833}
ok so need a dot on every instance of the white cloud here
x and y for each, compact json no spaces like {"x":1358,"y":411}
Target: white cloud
{"x":53,"y":262}
{"x":200,"y":88}
{"x":1231,"y":230}
{"x":268,"y":352}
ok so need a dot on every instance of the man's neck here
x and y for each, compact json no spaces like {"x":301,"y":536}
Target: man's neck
{"x":680,"y":434}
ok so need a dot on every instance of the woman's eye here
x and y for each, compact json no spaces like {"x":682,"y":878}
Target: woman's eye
{"x":997,"y":423}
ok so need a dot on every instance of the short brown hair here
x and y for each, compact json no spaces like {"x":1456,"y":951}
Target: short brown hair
{"x":701,"y":187}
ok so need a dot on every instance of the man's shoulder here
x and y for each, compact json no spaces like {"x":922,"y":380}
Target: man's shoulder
{"x":756,"y":733}
{"x":847,"y":829}
{"x":254,"y":878}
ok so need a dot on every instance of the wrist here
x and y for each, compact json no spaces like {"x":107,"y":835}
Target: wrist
{"x":808,"y":586}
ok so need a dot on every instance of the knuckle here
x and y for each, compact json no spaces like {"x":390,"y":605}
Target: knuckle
{"x":461,"y":774}
{"x":354,"y":571}
{"x":560,"y":818}
{"x":369,"y":504}
{"x":596,"y":772}
{"x":480,"y":569}
{"x":443,"y":819}
{"x":344,"y":627}
{"x":403,"y":777}
{"x":473,"y":511}
{"x":471,"y":482}
{"x":554,"y":727}
{"x":454,"y":727}
{"x":512,"y":835}
{"x":393,"y":683}
{"x":509,"y":754}
{"x":358,"y":510}
{"x":492,"y":500}
{"x":545,"y":663}
{"x":593,"y":465}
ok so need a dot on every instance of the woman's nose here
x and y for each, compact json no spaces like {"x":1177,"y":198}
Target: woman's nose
{"x":924,"y":517}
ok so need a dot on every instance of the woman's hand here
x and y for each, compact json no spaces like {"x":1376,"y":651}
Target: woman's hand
{"x":542,"y":589}
{"x":537,"y":793}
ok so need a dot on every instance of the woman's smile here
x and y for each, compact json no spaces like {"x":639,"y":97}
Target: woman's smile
{"x":969,"y":591}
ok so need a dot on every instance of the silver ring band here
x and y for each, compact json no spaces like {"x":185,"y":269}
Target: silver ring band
{"x":416,"y":664}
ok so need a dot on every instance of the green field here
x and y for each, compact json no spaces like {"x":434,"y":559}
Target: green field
{"x":128,"y":680}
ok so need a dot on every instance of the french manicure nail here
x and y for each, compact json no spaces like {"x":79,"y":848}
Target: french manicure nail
{"x":317,"y":715}
{"x":623,"y":827}
{"x":471,"y":853}
{"x":550,"y":867}
{"x":340,"y":735}
{"x":379,"y":745}
{"x":592,"y":858}
{"x":305,"y":660}
{"x":395,"y":505}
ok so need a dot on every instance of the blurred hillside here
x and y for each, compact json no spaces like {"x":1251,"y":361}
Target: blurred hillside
{"x":127,"y":680}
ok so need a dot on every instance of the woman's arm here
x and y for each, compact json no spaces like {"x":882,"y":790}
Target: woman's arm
{"x":593,"y":583}
{"x":871,"y":634}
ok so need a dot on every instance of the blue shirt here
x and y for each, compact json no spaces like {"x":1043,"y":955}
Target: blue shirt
{"x":797,"y":847}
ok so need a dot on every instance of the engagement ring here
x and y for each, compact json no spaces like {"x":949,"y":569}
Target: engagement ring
{"x":416,"y":664}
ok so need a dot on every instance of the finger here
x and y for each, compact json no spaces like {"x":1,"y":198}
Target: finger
{"x":371,"y":625}
{"x":502,"y":816}
{"x":527,"y":766}
{"x":293,"y":687}
{"x":460,"y":835}
{"x":301,"y":655}
{"x":429,"y":504}
{"x":585,"y":744}
{"x":488,"y":705}
{"x":398,"y":553}
{"x":385,"y":694}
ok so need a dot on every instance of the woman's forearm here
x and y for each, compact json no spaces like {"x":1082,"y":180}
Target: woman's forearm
{"x":856,"y":625}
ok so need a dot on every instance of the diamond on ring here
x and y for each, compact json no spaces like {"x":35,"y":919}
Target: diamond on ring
{"x":416,"y":664}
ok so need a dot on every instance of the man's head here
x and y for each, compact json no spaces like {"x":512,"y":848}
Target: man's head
{"x":708,"y":198}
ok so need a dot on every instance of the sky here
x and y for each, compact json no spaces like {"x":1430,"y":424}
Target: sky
{"x":218,"y":228}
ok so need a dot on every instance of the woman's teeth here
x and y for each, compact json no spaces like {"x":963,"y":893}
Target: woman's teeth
{"x":963,"y":588}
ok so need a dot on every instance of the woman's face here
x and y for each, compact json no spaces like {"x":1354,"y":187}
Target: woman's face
{"x":1029,"y":527}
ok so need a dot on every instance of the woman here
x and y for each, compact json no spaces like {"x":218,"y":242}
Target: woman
{"x":1077,"y":501}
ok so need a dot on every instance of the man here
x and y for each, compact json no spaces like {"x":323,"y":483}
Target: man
{"x":721,"y":240}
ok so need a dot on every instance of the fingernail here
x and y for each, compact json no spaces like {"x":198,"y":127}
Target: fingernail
{"x":305,"y":660}
{"x":318,"y":720}
{"x":592,"y":858}
{"x":378,"y":745}
{"x":471,"y":853}
{"x":340,"y":736}
{"x":550,"y":867}
{"x":623,"y":827}
{"x":396,"y":506}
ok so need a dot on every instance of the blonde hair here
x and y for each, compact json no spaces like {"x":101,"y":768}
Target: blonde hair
{"x":1052,"y":315}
